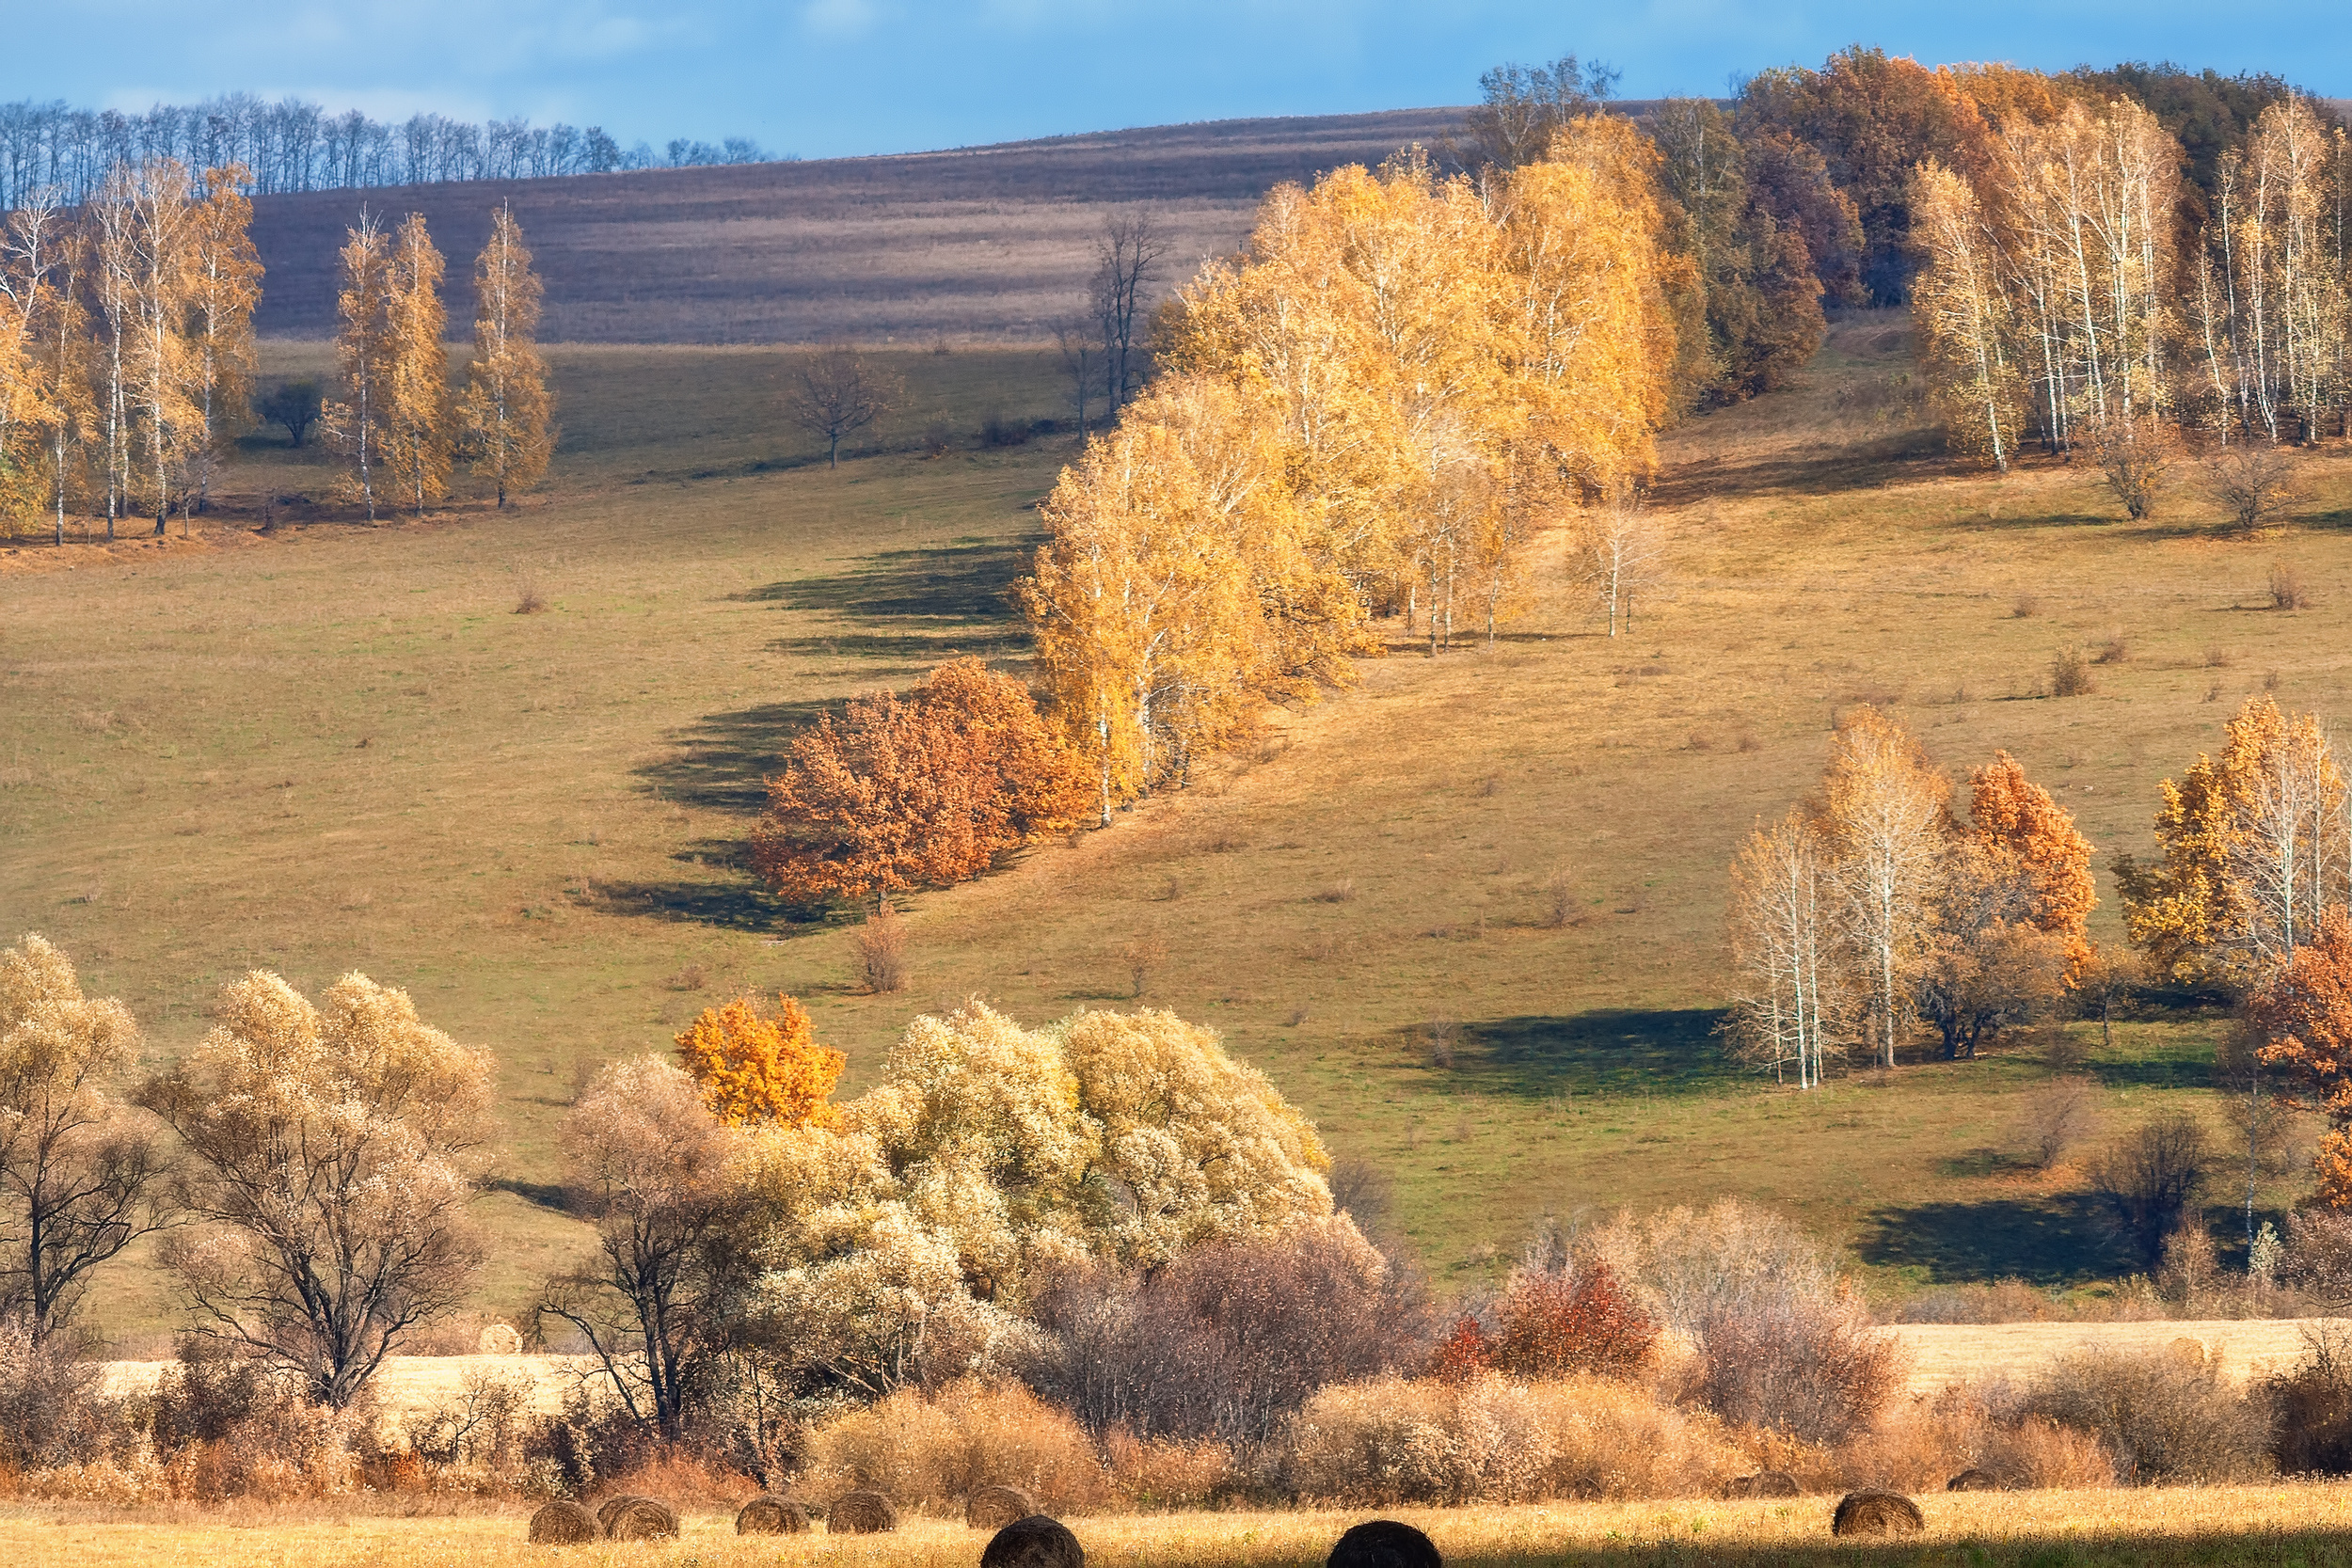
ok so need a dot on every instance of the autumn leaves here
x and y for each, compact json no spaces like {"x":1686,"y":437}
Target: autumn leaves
{"x":1366,"y":412}
{"x":396,"y":423}
{"x":126,"y":344}
{"x":2077,"y":290}
{"x":1871,"y":905}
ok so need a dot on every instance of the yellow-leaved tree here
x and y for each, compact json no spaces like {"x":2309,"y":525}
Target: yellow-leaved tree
{"x":416,"y":383}
{"x":754,"y":1068}
{"x":2254,"y":846}
{"x":356,"y":423}
{"x":507,"y":414}
{"x":225,"y":287}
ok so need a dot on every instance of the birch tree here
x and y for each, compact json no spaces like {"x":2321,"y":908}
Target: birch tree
{"x":226,"y":287}
{"x":356,"y":423}
{"x":1791,"y":1007}
{"x":1886,"y":819}
{"x":1619,"y":553}
{"x":416,"y":401}
{"x":507,"y":412}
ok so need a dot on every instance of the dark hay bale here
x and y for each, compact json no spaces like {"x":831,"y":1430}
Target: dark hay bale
{"x":1973,"y":1480}
{"x":1764,"y":1483}
{"x":614,"y":1504}
{"x":861,"y":1514}
{"x":563,"y":1523}
{"x":642,"y":1519}
{"x":1872,"y":1512}
{"x":768,"y":1515}
{"x":1385,"y":1543}
{"x":995,"y":1507}
{"x":1033,"y":1541}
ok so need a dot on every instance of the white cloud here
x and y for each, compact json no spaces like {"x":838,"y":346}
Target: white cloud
{"x":840,"y":19}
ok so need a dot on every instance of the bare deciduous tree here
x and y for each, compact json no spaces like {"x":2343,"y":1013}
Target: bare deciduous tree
{"x":655,"y":1304}
{"x":2253,"y":480}
{"x":1081,"y":363}
{"x":1619,"y":552}
{"x":78,"y":1168}
{"x":2150,"y":1178}
{"x":331,"y":1155}
{"x":1127,"y":255}
{"x":836,"y":392}
{"x":1524,"y":107}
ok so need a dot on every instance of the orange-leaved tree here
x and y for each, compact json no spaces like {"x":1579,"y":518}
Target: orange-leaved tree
{"x":2303,"y":1021}
{"x":754,"y":1067}
{"x":2035,"y":858}
{"x":917,"y":791}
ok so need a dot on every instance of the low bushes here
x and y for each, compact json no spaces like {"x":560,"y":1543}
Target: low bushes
{"x":930,"y":1453}
{"x":1493,"y":1440}
{"x":2168,"y":1417}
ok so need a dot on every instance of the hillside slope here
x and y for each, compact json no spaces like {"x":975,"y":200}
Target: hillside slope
{"x":984,"y":243}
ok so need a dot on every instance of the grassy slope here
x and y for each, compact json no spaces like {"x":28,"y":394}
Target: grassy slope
{"x":341,"y":748}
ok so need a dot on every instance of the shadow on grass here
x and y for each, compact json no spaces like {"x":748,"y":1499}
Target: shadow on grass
{"x":2062,"y":1240}
{"x":725,"y":759}
{"x":737,"y":905}
{"x":1669,"y":1051}
{"x":552,"y":1196}
{"x":961,"y":582}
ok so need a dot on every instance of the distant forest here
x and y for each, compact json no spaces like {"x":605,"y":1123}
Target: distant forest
{"x":296,"y":146}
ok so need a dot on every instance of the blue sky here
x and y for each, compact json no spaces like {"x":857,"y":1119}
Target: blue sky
{"x":830,"y":77}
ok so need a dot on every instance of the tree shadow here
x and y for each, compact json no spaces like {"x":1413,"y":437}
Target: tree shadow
{"x":2061,"y":1240}
{"x":965,"y":581}
{"x":1610,"y":1049}
{"x":740,"y":905}
{"x":725,"y":759}
{"x":554,"y":1197}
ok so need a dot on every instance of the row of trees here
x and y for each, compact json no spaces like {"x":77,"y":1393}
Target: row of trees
{"x":295,"y":144}
{"x":1369,"y":410}
{"x":2070,"y":293}
{"x":396,"y":420}
{"x":309,"y":1167}
{"x":126,"y":342}
{"x":1871,"y":906}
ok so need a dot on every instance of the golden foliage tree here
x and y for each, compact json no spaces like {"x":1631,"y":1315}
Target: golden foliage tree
{"x":225,"y":274}
{"x":330,"y":1157}
{"x":753,"y":1068}
{"x":2254,"y":846}
{"x":2035,"y":860}
{"x":416,"y":380}
{"x":1362,"y":413}
{"x":1884,"y":811}
{"x":917,"y":791}
{"x":357,"y":422}
{"x":507,"y":413}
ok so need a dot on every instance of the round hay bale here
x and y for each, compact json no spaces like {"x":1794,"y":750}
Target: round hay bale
{"x":563,"y":1523}
{"x":500,"y":1339}
{"x":1973,"y":1480}
{"x":642,"y":1519}
{"x":860,"y":1513}
{"x":995,"y":1507}
{"x":612,"y":1505}
{"x":1874,"y":1513}
{"x":1764,"y":1483}
{"x":1385,"y":1543}
{"x":1033,"y":1541}
{"x":768,"y":1515}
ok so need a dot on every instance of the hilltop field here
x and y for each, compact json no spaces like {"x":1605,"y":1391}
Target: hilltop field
{"x":978,"y":245}
{"x":331,"y":746}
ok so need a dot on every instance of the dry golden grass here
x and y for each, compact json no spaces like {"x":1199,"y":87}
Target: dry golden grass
{"x":2308,"y":1524}
{"x":343,"y":748}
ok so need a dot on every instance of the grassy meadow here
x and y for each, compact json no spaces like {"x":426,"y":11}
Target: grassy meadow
{"x":336,"y":746}
{"x":2309,"y":1525}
